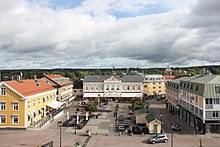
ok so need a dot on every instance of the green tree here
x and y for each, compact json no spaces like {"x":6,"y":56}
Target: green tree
{"x":137,"y":104}
{"x":90,"y":107}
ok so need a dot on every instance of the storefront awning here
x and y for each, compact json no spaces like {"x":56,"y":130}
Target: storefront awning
{"x":131,"y":95}
{"x":55,"y":104}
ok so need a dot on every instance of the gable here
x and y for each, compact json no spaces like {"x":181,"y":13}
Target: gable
{"x":112,"y":79}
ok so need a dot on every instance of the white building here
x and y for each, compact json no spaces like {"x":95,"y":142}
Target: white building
{"x":118,"y":87}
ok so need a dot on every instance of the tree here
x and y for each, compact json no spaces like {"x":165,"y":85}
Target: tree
{"x":91,"y":107}
{"x":137,"y":104}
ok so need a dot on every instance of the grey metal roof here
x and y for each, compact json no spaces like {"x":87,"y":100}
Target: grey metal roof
{"x":211,"y":79}
{"x":123,"y":78}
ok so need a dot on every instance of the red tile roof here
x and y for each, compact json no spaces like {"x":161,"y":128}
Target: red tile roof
{"x":53,"y":78}
{"x":30,"y":87}
{"x":168,"y":76}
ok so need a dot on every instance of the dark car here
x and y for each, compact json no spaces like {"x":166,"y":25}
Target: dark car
{"x":157,"y":138}
{"x":175,"y":127}
{"x":137,"y":130}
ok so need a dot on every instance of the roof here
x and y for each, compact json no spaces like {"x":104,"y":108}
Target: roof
{"x":140,"y":111}
{"x":151,"y":116}
{"x":58,"y":79}
{"x":78,"y":84}
{"x":123,"y":78}
{"x":30,"y":87}
{"x":207,"y":79}
{"x":168,"y":76}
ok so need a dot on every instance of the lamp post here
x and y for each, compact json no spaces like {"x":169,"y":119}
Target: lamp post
{"x":77,"y":121}
{"x":172,"y":136}
{"x":60,"y":124}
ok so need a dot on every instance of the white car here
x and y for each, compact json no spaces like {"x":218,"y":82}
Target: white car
{"x":158,"y":138}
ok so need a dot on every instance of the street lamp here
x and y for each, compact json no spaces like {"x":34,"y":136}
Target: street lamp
{"x":77,"y":121}
{"x":172,"y":136}
{"x":60,"y":124}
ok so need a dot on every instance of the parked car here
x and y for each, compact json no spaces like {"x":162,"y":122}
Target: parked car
{"x":158,"y":138}
{"x":175,"y":127}
{"x":137,"y":130}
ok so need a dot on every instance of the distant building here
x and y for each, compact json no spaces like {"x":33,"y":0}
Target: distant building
{"x":63,"y":85}
{"x":154,"y":86}
{"x":168,"y":71}
{"x":168,"y":78}
{"x":116,"y":87}
{"x":78,"y":88}
{"x":26,"y":102}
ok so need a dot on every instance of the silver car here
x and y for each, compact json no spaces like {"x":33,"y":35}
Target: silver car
{"x":158,"y":138}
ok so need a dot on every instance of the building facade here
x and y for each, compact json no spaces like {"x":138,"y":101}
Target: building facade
{"x":154,"y":86}
{"x":198,"y":101}
{"x":116,"y":87}
{"x":63,"y":85}
{"x":25,"y":102}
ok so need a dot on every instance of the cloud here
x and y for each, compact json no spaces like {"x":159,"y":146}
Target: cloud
{"x":35,"y":34}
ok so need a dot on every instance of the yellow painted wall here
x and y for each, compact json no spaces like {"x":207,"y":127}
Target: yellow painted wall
{"x":9,"y":99}
{"x":38,"y":106}
{"x":151,"y":126}
{"x":140,"y":118}
{"x":152,"y":88}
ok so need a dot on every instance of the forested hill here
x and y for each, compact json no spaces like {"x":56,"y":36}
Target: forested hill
{"x":74,"y":74}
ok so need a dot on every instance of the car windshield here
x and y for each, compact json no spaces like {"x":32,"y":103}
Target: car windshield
{"x":155,"y":136}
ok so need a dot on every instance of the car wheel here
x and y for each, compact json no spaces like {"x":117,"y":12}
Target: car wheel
{"x":153,"y":142}
{"x":165,"y":140}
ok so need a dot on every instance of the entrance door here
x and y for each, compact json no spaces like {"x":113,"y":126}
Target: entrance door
{"x":155,"y":129}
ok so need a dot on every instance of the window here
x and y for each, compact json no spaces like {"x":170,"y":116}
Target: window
{"x":102,"y":87}
{"x":107,"y":87}
{"x":216,"y":101}
{"x":3,"y":91}
{"x":208,"y":101}
{"x":2,"y":119}
{"x":117,"y":87}
{"x":133,"y":87}
{"x":159,"y":82}
{"x":97,"y":87}
{"x":91,"y":88}
{"x":34,"y":103}
{"x":215,"y":114}
{"x":145,"y":86}
{"x":153,"y":82}
{"x":217,"y":89}
{"x":112,"y":87}
{"x":39,"y":101}
{"x":2,"y":105}
{"x":191,"y":87}
{"x":15,"y":106}
{"x":44,"y":100}
{"x":29,"y":104}
{"x":197,"y":87}
{"x":87,"y":88}
{"x":139,"y":87}
{"x":128,"y":87}
{"x":14,"y":119}
{"x":159,"y":86}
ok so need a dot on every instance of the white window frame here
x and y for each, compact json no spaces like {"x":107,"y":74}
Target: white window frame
{"x":215,"y":114}
{"x":2,"y":104}
{"x":13,"y":121}
{"x":14,"y":106}
{"x":3,"y":91}
{"x":1,"y":116}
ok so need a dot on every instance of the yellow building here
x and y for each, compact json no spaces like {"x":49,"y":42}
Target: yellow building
{"x":63,"y":85}
{"x":154,"y":86}
{"x":25,"y":102}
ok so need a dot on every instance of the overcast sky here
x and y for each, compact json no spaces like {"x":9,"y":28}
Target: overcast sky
{"x":106,"y":33}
